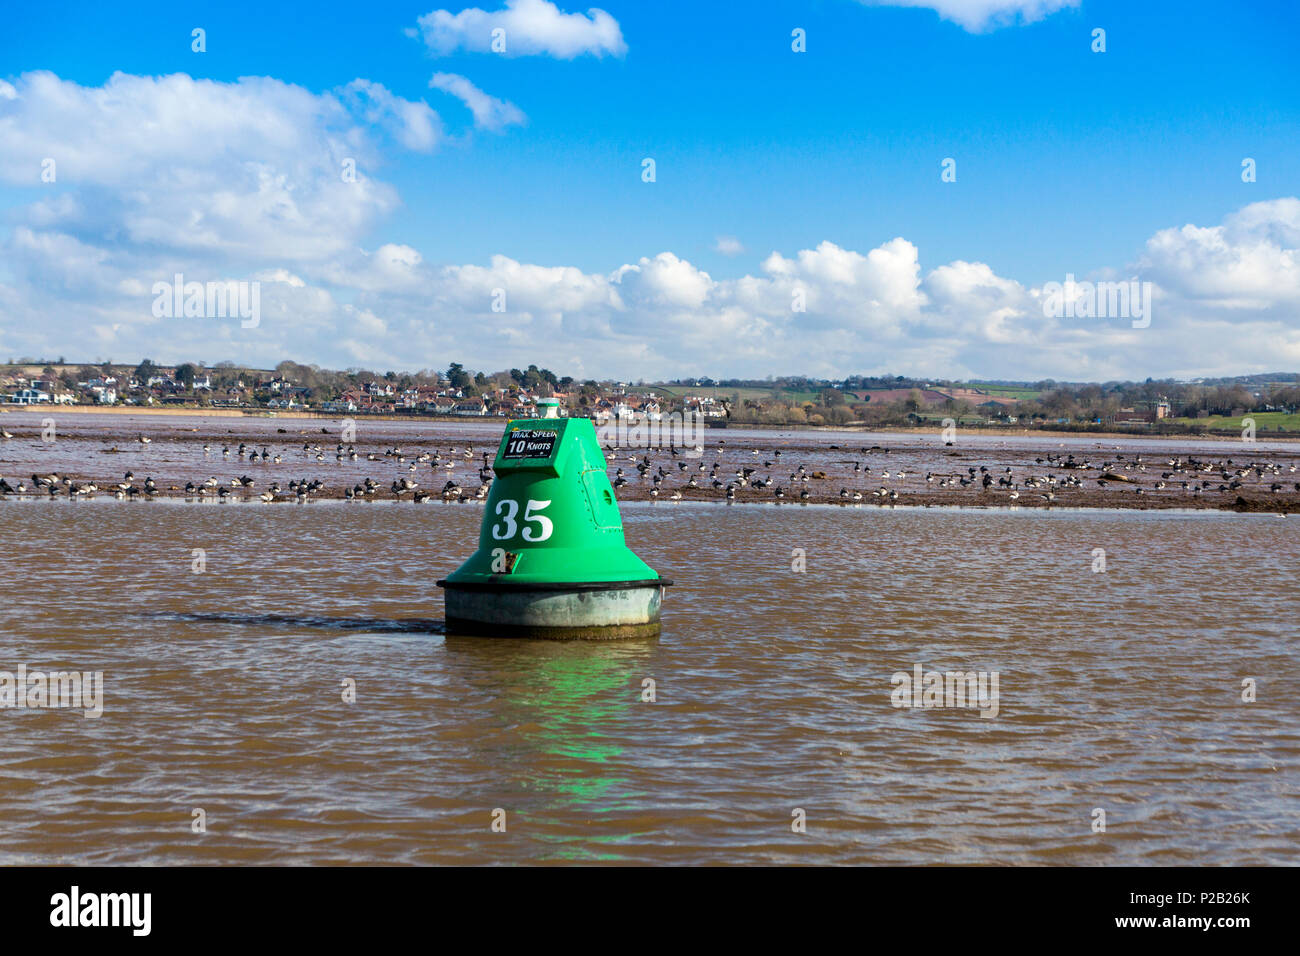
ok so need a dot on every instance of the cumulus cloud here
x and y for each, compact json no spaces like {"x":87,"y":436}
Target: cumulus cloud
{"x":1249,"y":262}
{"x":528,"y":28}
{"x":878,"y":292}
{"x":241,"y":181}
{"x":728,"y":246}
{"x":255,"y":168}
{"x":489,"y":112}
{"x":279,"y":275}
{"x":412,"y":123}
{"x":871,"y":312}
{"x":879,"y":311}
{"x":668,"y":281}
{"x":978,"y":16}
{"x":530,"y":290}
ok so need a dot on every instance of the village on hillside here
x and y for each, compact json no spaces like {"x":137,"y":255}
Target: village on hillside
{"x":858,"y":401}
{"x":294,"y":388}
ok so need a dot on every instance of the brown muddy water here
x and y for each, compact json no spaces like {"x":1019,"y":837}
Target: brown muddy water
{"x":222,"y":691}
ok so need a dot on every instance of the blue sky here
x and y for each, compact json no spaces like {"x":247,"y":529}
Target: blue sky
{"x":1068,"y":161}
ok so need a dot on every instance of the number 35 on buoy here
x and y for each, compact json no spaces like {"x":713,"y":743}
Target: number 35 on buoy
{"x":551,"y":559}
{"x":506,"y":527}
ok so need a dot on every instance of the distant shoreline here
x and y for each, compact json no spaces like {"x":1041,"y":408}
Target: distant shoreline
{"x":174,"y":411}
{"x":1048,"y":432}
{"x":1011,"y":432}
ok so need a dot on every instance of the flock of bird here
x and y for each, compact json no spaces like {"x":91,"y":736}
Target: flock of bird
{"x":244,"y":486}
{"x":1190,"y":475}
{"x":757,"y":475}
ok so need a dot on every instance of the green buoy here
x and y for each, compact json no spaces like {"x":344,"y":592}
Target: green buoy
{"x":551,"y":560}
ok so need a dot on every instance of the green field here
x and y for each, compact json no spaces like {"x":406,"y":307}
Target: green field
{"x":770,"y":394}
{"x":1264,"y":422}
{"x":1006,"y":391}
{"x":757,"y":394}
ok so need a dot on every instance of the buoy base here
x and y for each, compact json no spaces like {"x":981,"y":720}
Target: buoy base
{"x":603,"y":611}
{"x":459,"y":627}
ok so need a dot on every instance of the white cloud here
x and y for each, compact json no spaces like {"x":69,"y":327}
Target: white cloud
{"x":728,"y":246}
{"x":231,"y":181}
{"x":669,"y":281}
{"x":489,"y":112}
{"x":872,"y":312}
{"x":531,"y":28}
{"x":412,"y":123}
{"x":969,"y":293}
{"x":1249,"y":262}
{"x":869,"y":312}
{"x":980,"y":15}
{"x":280,"y":275}
{"x":250,"y":169}
{"x":879,"y":292}
{"x":530,"y":289}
